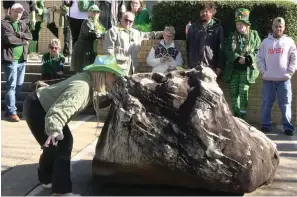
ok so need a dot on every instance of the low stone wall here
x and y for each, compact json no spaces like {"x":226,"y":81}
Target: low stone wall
{"x":255,"y":99}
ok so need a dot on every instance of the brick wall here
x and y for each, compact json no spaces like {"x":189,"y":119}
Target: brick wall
{"x":254,"y":109}
{"x":45,"y":34}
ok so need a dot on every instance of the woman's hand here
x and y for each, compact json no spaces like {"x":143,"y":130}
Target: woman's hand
{"x":51,"y":140}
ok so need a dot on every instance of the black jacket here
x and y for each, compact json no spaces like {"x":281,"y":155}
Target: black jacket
{"x":205,"y":45}
{"x":28,"y":6}
{"x":10,"y":38}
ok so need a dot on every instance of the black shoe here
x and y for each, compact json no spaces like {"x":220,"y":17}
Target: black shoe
{"x":265,"y":130}
{"x":289,"y":132}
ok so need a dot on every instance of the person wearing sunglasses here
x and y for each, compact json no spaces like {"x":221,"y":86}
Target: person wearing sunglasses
{"x":165,"y":56}
{"x":53,"y":61}
{"x":123,"y":42}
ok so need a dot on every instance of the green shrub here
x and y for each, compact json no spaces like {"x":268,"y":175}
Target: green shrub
{"x":178,"y":13}
{"x":144,"y":27}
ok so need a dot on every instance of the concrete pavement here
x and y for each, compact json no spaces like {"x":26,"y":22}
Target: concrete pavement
{"x":20,"y":153}
{"x":20,"y":150}
{"x":285,"y":182}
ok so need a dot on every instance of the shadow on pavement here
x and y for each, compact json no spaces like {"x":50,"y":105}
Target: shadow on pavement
{"x":86,"y":185}
{"x":21,"y":180}
{"x":113,"y":189}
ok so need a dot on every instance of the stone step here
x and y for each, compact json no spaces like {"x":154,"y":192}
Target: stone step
{"x":25,"y":88}
{"x":30,"y":68}
{"x":30,"y":77}
{"x":18,"y":104}
{"x":22,"y":95}
{"x":36,"y":68}
{"x":67,"y":59}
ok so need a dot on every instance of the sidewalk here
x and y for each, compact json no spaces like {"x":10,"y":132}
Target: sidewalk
{"x":285,"y":182}
{"x":20,"y":155}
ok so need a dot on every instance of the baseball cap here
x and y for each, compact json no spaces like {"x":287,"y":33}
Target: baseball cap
{"x":94,"y":8}
{"x":16,"y":6}
{"x":279,"y":20}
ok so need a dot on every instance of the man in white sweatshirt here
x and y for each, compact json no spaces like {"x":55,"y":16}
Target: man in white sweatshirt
{"x":277,"y":62}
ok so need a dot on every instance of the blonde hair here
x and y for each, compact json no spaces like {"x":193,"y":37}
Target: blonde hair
{"x":99,"y":81}
{"x":246,"y":44}
{"x":99,"y":89}
{"x":54,"y":42}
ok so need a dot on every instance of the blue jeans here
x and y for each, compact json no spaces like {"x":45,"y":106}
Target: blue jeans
{"x":284,"y":96}
{"x":14,"y":73}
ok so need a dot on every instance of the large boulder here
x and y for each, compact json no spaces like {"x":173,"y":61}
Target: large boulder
{"x":177,"y":129}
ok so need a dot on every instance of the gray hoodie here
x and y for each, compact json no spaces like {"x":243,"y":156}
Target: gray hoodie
{"x":277,"y":58}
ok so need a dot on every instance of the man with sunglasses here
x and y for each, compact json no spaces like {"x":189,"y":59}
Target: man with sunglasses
{"x":15,"y":36}
{"x":123,"y":42}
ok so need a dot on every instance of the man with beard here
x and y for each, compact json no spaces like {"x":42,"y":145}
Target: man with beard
{"x":205,"y":40}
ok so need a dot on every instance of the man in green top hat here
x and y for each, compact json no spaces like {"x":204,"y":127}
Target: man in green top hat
{"x":49,"y":109}
{"x":240,"y":70}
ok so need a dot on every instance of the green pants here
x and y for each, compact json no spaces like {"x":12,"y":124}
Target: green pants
{"x":239,"y":90}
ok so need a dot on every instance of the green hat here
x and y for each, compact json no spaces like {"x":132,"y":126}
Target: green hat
{"x":105,"y":63}
{"x":242,"y":14}
{"x":94,"y":8}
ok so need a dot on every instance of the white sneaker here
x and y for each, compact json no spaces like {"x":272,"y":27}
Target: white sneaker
{"x":47,"y":186}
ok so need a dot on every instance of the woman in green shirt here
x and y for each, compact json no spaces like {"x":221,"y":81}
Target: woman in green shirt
{"x":142,"y":19}
{"x":241,"y":70}
{"x":49,"y":109}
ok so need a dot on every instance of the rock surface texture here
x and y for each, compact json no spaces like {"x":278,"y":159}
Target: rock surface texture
{"x":177,"y":129}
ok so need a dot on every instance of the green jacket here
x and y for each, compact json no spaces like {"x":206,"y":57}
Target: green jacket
{"x":63,"y":100}
{"x":52,"y":66}
{"x":232,"y":55}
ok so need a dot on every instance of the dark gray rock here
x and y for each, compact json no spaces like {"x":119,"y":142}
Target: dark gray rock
{"x":177,"y":129}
